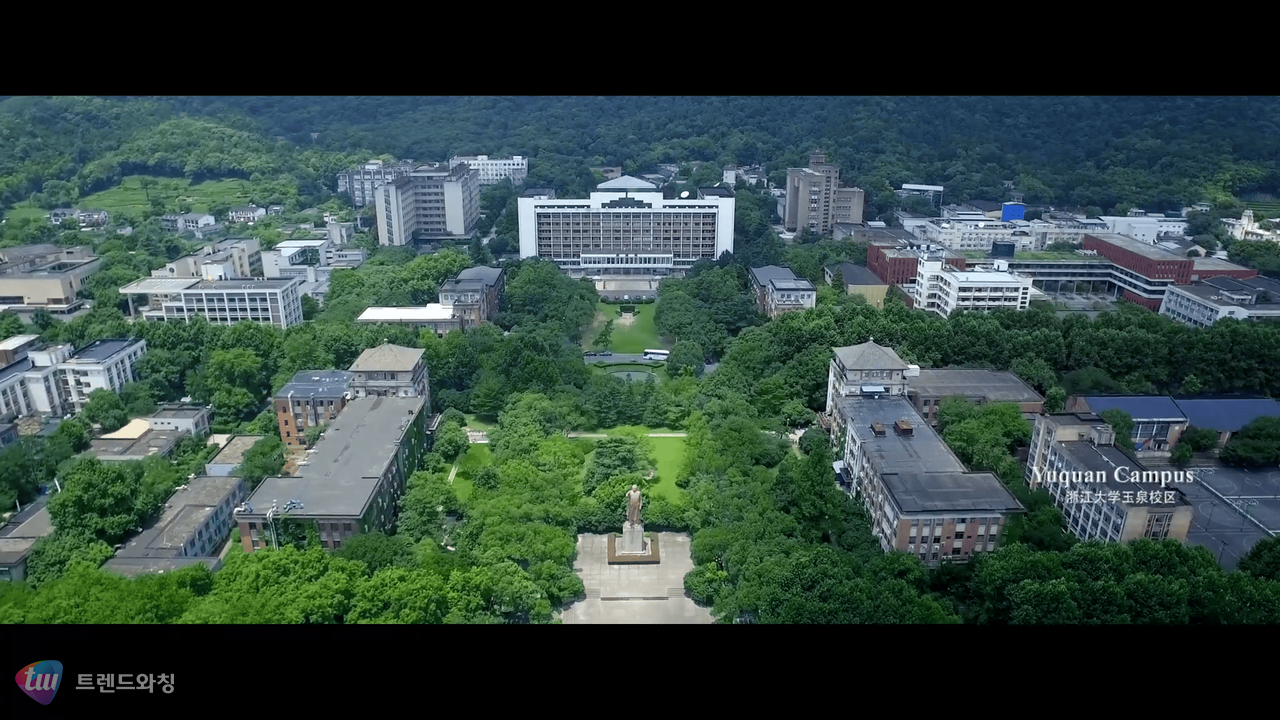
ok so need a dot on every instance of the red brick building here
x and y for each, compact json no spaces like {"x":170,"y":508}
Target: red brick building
{"x":1152,"y":269}
{"x":896,"y":263}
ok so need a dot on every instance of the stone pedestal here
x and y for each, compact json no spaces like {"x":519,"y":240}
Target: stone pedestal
{"x":633,"y":542}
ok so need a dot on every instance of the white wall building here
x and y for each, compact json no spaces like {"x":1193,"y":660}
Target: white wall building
{"x":222,"y":302}
{"x":1145,"y":228}
{"x":1203,"y":304}
{"x":973,"y":234}
{"x":943,"y":289}
{"x":230,"y":259}
{"x":432,"y":202}
{"x":246,"y":214}
{"x":495,"y":170}
{"x":101,"y":365}
{"x":626,"y":228}
{"x":360,"y":183}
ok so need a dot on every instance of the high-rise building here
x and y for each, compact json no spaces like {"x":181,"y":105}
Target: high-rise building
{"x":495,"y":170}
{"x":360,"y":183}
{"x":815,"y":200}
{"x":626,"y":228}
{"x":430,"y":202}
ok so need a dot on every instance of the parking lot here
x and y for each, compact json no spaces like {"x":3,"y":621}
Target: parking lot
{"x":1226,"y":530}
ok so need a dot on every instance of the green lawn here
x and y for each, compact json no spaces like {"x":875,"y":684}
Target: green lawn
{"x":476,"y":457}
{"x":477,"y":424}
{"x":634,"y":338}
{"x":17,"y":213}
{"x":130,"y":197}
{"x":669,"y":454}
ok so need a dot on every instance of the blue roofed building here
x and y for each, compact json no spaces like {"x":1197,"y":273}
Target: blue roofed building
{"x":1157,"y":420}
{"x":1226,"y":415}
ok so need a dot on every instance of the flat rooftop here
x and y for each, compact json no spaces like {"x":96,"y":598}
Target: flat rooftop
{"x":940,"y":492}
{"x":17,"y":341}
{"x":764,"y":275}
{"x":185,"y":512}
{"x":183,"y":412}
{"x":1106,"y":460}
{"x":1227,"y":414}
{"x":921,"y":452}
{"x":158,"y":286}
{"x":247,"y":284}
{"x":151,"y":442}
{"x":1139,"y":407}
{"x":233,"y":452}
{"x":32,"y":522}
{"x":994,"y":385}
{"x":435,"y":312}
{"x":1212,"y":263}
{"x":340,"y":477}
{"x":1137,"y":246}
{"x":102,"y":350}
{"x":133,"y":567}
{"x":854,"y":274}
{"x":319,"y":383}
{"x":983,"y":276}
{"x":797,"y":284}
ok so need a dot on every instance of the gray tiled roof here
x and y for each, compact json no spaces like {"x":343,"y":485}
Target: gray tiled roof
{"x":869,"y":356}
{"x":390,"y":358}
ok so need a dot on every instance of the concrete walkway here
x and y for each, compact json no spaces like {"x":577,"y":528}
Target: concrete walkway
{"x":634,"y":594}
{"x":453,"y":473}
{"x":475,"y":436}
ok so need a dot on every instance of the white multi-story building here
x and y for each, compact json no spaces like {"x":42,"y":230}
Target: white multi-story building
{"x":430,"y":202}
{"x":943,"y":289}
{"x":495,"y":170}
{"x":102,"y":365}
{"x":312,"y":260}
{"x":972,"y":234}
{"x":1203,"y":304}
{"x":626,"y":228}
{"x":1146,"y":228}
{"x":246,"y":214}
{"x":360,"y":183}
{"x":778,"y":290}
{"x":1079,"y":448}
{"x":222,"y":302}
{"x":29,"y":379}
{"x":1246,"y":228}
{"x":230,"y":259}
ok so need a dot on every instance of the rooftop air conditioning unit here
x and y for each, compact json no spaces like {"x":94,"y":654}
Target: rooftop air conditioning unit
{"x":878,"y":429}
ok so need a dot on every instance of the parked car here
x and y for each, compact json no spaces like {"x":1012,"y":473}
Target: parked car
{"x":589,"y":353}
{"x":604,"y":353}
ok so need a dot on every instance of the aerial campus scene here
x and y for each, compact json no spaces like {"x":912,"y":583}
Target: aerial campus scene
{"x":638,"y":360}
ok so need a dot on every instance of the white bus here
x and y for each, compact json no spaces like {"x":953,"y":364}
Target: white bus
{"x":657,"y":354}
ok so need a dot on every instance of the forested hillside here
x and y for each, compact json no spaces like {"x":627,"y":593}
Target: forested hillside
{"x":1155,"y":152}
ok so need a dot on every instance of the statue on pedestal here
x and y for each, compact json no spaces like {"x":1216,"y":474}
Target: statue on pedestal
{"x":633,"y":505}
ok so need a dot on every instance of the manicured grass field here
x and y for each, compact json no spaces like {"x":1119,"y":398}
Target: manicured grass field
{"x":475,"y":423}
{"x":130,"y":197}
{"x":668,"y":452}
{"x":476,"y":457}
{"x":631,"y":339}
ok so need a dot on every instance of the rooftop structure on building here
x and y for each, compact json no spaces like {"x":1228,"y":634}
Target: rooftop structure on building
{"x":135,"y":441}
{"x":341,"y":475}
{"x":387,"y":358}
{"x":193,"y":523}
{"x":231,"y":455}
{"x":1205,"y":303}
{"x":19,"y":535}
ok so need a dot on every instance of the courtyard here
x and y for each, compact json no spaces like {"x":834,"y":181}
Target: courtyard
{"x":634,"y":594}
{"x":633,"y":333}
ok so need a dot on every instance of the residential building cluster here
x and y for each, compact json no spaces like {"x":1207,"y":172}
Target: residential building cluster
{"x":84,"y":218}
{"x":471,"y":298}
{"x":626,"y":229}
{"x":154,"y":436}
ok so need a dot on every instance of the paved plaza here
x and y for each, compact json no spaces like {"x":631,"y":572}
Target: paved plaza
{"x":639,"y":594}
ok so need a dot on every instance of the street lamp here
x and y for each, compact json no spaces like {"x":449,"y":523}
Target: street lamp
{"x":1222,"y":550}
